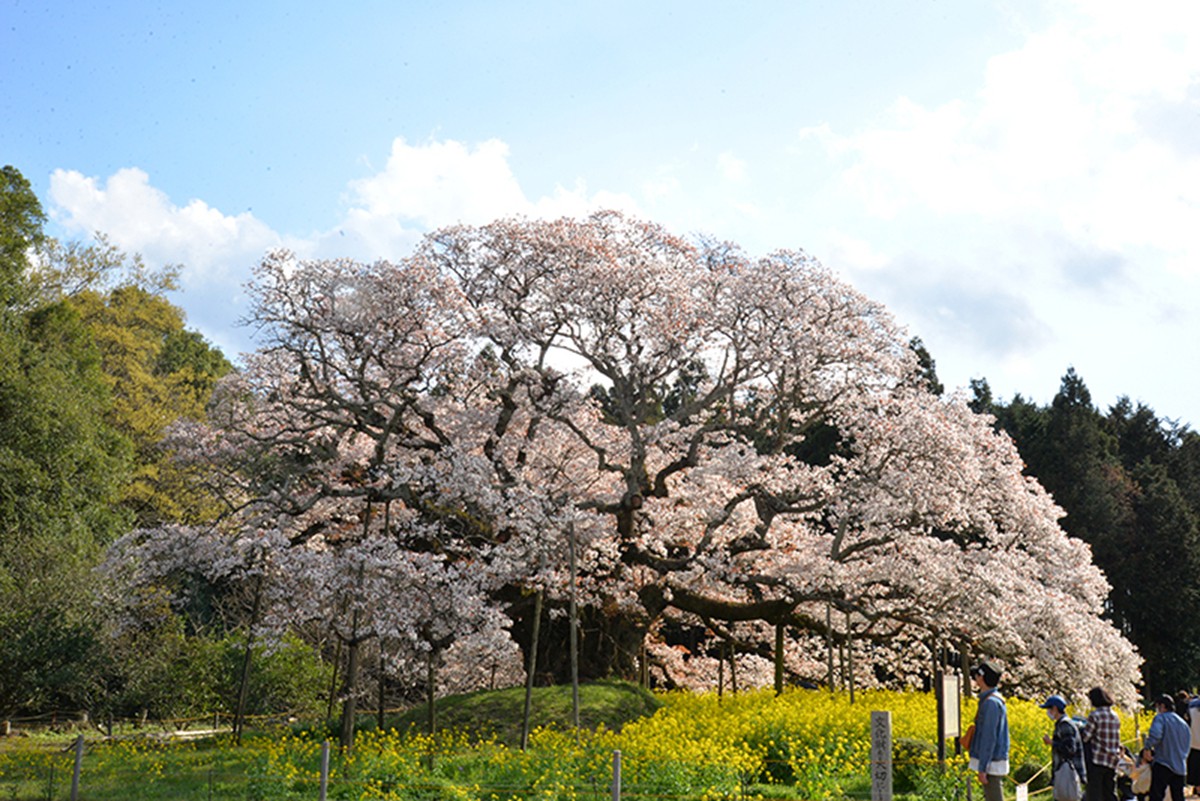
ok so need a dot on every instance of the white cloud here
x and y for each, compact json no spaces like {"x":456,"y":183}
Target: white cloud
{"x":1045,"y":219}
{"x":213,"y":250}
{"x":420,"y":188}
{"x":140,"y":218}
{"x":854,"y":254}
{"x":578,"y":202}
{"x":423,"y":187}
{"x":1057,"y":135}
{"x":440,"y":184}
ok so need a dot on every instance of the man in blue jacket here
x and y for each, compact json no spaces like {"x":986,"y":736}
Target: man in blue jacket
{"x":989,"y":745}
{"x":1167,"y":742}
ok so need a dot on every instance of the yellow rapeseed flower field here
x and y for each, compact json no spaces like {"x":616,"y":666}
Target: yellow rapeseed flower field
{"x":803,"y":744}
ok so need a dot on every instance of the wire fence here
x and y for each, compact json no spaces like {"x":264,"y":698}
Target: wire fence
{"x":195,"y":758}
{"x":269,"y":769}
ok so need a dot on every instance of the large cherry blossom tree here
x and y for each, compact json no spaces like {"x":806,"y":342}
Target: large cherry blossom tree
{"x":740,"y":444}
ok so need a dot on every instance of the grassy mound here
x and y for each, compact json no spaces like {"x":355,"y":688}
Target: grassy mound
{"x":610,"y":703}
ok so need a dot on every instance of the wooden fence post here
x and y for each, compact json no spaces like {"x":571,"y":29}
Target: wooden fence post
{"x":78,"y":768}
{"x":881,"y":756}
{"x":616,"y":781}
{"x":324,"y":769}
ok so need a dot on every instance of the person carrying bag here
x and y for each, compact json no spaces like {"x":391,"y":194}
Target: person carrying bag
{"x":1066,"y":783}
{"x":1066,"y":752}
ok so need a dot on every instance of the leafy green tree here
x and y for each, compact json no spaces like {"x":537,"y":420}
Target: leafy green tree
{"x":21,"y":223}
{"x":1071,"y":452}
{"x":62,"y":467}
{"x":66,"y":269}
{"x":1020,"y":418}
{"x":157,"y":372}
{"x":1157,"y":569}
{"x":982,"y":401}
{"x":95,"y":363}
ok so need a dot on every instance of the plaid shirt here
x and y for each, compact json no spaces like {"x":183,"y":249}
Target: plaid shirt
{"x":1103,"y":731}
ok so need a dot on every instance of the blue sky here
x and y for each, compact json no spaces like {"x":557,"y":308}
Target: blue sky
{"x":1018,"y":181}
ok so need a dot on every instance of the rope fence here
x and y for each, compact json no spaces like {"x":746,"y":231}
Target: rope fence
{"x":70,"y":776}
{"x":162,"y":771}
{"x":166,"y":767}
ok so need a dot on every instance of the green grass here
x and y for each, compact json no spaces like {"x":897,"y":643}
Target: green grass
{"x":137,"y":767}
{"x":499,"y":712}
{"x":114,"y":772}
{"x":685,"y":752}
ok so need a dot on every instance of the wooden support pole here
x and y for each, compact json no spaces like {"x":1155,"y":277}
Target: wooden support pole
{"x":324,"y":770}
{"x":78,"y":768}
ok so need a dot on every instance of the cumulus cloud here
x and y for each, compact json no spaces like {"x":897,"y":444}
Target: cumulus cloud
{"x":1079,"y":129}
{"x":138,"y":217}
{"x":441,"y":183}
{"x":213,"y":250}
{"x":423,"y":187}
{"x":1048,"y":214}
{"x":420,"y":188}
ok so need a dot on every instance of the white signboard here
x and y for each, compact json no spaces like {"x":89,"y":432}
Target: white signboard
{"x":951,"y":695}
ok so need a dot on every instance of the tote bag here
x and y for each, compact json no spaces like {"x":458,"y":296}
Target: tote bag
{"x":1141,"y":779}
{"x":1066,"y":783}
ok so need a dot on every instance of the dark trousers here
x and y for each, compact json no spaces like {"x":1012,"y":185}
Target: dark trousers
{"x":1101,"y":783}
{"x":994,"y":789}
{"x":1162,"y":777}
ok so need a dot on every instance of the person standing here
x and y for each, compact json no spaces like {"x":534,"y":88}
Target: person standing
{"x":989,"y":746}
{"x":1102,"y":734}
{"x":1167,"y":744}
{"x":1066,"y":749}
{"x":1182,"y":699}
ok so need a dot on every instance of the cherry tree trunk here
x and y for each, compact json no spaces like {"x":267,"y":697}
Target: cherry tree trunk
{"x":382,"y":711}
{"x":239,"y":718}
{"x":333,"y":679}
{"x":431,"y":681}
{"x":778,"y":658}
{"x":531,"y":669}
{"x":607,"y":644}
{"x":350,"y":694}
